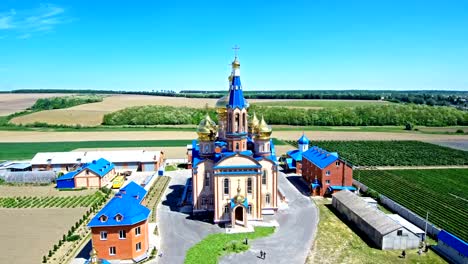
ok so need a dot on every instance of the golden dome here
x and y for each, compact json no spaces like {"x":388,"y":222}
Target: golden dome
{"x":264,"y":130}
{"x":236,"y":63}
{"x":238,"y":199}
{"x":207,"y":129}
{"x":222,"y":102}
{"x":253,"y":123}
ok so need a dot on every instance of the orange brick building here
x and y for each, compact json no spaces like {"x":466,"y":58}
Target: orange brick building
{"x":120,"y":229}
{"x":326,"y":172}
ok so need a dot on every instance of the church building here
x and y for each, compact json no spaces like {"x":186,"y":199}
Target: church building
{"x":234,"y":166}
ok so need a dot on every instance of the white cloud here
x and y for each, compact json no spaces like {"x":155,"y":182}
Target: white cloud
{"x":24,"y":23}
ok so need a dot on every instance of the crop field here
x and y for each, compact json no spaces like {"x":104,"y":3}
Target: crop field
{"x":394,"y":153}
{"x":39,"y":230}
{"x":441,"y":192}
{"x":92,"y":114}
{"x":318,"y":104}
{"x":51,"y":201}
{"x":28,"y":150}
{"x":40,"y":191}
{"x":11,"y":103}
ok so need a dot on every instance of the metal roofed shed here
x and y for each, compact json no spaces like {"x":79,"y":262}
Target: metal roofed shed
{"x":381,"y":230}
{"x":406,"y":224}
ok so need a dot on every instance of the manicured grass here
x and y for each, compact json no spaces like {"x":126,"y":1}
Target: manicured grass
{"x":320,"y":103}
{"x":394,"y":153}
{"x":213,"y":246}
{"x":441,"y":192}
{"x":336,"y":242}
{"x":27,"y":150}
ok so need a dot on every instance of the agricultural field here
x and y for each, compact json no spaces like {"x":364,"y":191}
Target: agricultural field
{"x":319,"y":104}
{"x":51,"y":201}
{"x":394,"y":153}
{"x":39,"y":191}
{"x":336,"y":242}
{"x":12,"y":103}
{"x":28,"y":150}
{"x":441,"y":192}
{"x":39,"y":230}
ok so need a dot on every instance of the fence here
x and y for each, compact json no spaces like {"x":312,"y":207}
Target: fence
{"x":403,"y":212}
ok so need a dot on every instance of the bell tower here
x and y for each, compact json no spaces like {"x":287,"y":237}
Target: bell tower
{"x":236,"y":123}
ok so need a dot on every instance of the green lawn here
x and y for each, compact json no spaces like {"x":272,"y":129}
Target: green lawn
{"x":441,"y":192}
{"x":213,"y":246}
{"x":26,"y":150}
{"x":336,"y":242}
{"x":320,"y":103}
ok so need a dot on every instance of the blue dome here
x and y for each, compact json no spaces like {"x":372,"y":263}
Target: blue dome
{"x":303,"y":140}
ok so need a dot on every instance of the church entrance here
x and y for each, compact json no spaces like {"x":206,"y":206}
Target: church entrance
{"x":239,"y":217}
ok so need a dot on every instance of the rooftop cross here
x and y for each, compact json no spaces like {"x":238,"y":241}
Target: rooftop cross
{"x":236,"y":49}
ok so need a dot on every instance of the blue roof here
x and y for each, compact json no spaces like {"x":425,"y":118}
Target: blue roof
{"x":126,"y":203}
{"x":68,"y":176}
{"x":236,"y":96}
{"x":320,"y":157}
{"x":303,"y":140}
{"x":289,"y":161}
{"x":337,"y":187}
{"x":295,"y":154}
{"x":454,"y":242}
{"x":245,"y":203}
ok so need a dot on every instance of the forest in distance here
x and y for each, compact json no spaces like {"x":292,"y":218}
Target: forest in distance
{"x":364,"y":115}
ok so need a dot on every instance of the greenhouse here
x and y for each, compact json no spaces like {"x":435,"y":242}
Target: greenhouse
{"x":28,"y":176}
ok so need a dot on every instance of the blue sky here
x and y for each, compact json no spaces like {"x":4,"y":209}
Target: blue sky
{"x":176,"y":45}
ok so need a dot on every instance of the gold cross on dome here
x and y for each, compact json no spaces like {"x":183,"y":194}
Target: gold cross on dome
{"x":236,"y":49}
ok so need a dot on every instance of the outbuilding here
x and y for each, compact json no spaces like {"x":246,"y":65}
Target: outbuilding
{"x":452,"y":247}
{"x":95,"y":174}
{"x":384,"y":232}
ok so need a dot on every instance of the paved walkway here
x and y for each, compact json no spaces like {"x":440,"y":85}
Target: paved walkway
{"x":178,"y":232}
{"x":293,"y":239}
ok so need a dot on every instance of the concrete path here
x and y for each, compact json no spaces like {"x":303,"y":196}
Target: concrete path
{"x":178,"y":232}
{"x":293,"y":239}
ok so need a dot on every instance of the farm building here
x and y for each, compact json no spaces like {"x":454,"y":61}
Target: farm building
{"x":384,"y":232}
{"x":326,"y":172}
{"x":95,"y":174}
{"x":9,"y":166}
{"x":120,"y":230}
{"x":135,"y":160}
{"x":452,"y":247}
{"x":35,"y":177}
{"x":406,"y":224}
{"x":294,"y":157}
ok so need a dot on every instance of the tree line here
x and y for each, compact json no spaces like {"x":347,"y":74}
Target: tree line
{"x":366,"y":115}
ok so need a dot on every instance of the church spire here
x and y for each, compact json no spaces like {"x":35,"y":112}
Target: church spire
{"x":236,"y":96}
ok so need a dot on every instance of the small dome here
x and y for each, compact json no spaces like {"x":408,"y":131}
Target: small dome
{"x":303,"y":140}
{"x":207,"y":129}
{"x":254,"y":122}
{"x":222,"y":102}
{"x":264,"y":130}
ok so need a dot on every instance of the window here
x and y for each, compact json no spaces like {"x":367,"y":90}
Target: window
{"x":399,"y":232}
{"x":103,"y":218}
{"x":243,"y":120}
{"x":264,"y":177}
{"x":207,"y":148}
{"x":327,"y":181}
{"x":103,"y":235}
{"x":226,"y":209}
{"x":112,"y":251}
{"x":337,"y":163}
{"x":249,"y":185}
{"x":203,"y":201}
{"x":327,"y":173}
{"x":249,"y":209}
{"x":237,"y":123}
{"x":138,"y":246}
{"x":207,"y":178}
{"x":118,"y":217}
{"x":226,"y":186}
{"x":122,"y":234}
{"x":137,"y":231}
{"x":267,"y":198}
{"x":237,"y":146}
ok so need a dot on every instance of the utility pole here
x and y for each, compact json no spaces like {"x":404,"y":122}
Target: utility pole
{"x":425,"y":229}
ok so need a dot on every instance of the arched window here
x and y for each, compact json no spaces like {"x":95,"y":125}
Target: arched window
{"x":243,"y":122}
{"x":226,"y":209}
{"x":264,"y":177}
{"x":207,"y":178}
{"x":267,"y":198}
{"x":237,"y":146}
{"x":237,"y":123}
{"x":249,"y":185}
{"x":226,"y":186}
{"x":249,"y":209}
